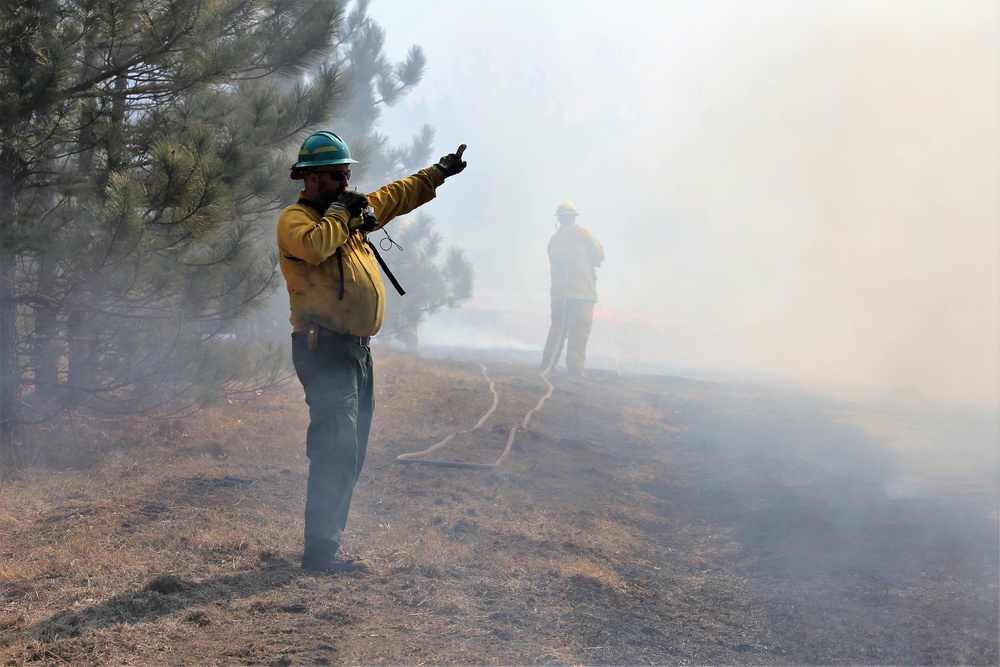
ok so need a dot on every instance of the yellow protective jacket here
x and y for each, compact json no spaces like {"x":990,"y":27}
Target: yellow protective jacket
{"x":320,"y":249}
{"x":574,"y":253}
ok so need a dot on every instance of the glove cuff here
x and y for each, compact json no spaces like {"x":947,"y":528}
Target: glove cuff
{"x":351,"y":222}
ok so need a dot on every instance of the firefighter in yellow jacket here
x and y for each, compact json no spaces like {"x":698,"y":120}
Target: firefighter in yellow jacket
{"x":337,"y":303}
{"x":574,"y":254}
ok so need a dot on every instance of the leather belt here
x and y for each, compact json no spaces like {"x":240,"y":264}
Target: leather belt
{"x":363,"y":341}
{"x":324,"y":333}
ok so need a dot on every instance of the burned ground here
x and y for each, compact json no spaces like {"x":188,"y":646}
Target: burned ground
{"x":637,"y":520}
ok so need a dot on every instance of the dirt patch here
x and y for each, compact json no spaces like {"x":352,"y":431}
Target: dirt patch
{"x":638,"y":520}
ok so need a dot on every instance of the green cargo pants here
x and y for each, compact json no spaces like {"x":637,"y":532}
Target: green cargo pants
{"x":338,"y":384}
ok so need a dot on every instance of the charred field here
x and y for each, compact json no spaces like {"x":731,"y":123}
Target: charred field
{"x":637,"y":520}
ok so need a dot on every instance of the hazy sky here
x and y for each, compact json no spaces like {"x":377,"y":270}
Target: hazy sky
{"x":804,"y":188}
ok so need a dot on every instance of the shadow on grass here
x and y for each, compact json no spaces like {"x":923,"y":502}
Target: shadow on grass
{"x":164,"y":595}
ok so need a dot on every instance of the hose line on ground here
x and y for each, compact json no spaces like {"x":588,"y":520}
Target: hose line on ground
{"x":421,"y":457}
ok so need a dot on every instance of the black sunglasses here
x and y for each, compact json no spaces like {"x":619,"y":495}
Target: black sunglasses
{"x":344,"y":175}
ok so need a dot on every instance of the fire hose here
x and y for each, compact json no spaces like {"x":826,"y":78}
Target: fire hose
{"x":422,"y":457}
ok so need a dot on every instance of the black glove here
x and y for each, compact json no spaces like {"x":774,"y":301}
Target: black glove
{"x":452,"y":163}
{"x":353,"y":202}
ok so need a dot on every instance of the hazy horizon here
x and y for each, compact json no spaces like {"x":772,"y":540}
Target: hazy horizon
{"x":803,"y":189}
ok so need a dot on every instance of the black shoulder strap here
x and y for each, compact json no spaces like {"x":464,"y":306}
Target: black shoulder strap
{"x":340,"y":265}
{"x":388,"y":273}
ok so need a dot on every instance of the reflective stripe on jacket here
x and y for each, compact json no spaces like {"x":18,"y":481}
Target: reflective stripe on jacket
{"x":317,"y":250}
{"x":573,"y":255}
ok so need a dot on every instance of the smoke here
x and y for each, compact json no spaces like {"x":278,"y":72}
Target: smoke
{"x":863,"y":178}
{"x":804,"y":189}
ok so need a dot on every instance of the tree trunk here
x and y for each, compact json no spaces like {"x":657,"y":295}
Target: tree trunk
{"x":10,"y":381}
{"x":44,"y":339}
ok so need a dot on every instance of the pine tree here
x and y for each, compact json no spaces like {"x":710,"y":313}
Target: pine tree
{"x":143,"y":143}
{"x":431,"y":281}
{"x":375,"y":83}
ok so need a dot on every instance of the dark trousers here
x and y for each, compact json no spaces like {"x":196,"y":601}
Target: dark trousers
{"x":572,"y":320}
{"x":338,"y":383}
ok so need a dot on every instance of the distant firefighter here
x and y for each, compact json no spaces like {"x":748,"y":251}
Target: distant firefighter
{"x":574,"y":254}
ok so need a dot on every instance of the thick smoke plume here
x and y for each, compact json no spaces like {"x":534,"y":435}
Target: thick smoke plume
{"x":802,"y":189}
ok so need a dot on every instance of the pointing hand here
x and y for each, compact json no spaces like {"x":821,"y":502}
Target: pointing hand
{"x":452,"y":163}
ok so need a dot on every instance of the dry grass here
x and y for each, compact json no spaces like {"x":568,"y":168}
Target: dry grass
{"x":617,"y":533}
